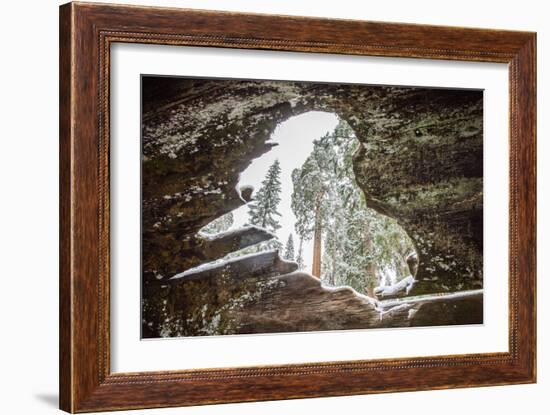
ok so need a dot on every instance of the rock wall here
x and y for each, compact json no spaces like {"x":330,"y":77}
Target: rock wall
{"x":425,"y":168}
{"x":420,"y":161}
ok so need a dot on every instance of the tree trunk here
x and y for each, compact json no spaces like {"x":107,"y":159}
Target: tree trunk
{"x":316,"y":267}
{"x":371,"y":269}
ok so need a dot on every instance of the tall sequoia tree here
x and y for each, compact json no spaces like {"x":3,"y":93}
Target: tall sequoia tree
{"x":311,"y":190}
{"x":289,"y":249}
{"x":360,"y":245}
{"x":263,"y":209}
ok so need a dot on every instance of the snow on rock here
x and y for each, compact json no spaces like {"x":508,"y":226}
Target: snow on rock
{"x":441,"y":297}
{"x":463,"y":307}
{"x":402,"y":287}
{"x":392,"y":311}
{"x":238,"y":233}
{"x":259,"y":264}
{"x":245,"y":192}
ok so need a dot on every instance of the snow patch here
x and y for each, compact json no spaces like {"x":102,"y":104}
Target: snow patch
{"x":243,"y":188}
{"x":340,"y":288}
{"x":232,"y":232}
{"x":405,"y":285}
{"x":209,"y":266}
{"x":393,"y":309}
{"x":388,"y":304}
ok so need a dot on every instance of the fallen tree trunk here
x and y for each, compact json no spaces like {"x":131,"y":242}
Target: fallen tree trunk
{"x":260,"y":265}
{"x":217,"y":246}
{"x":462,"y":307}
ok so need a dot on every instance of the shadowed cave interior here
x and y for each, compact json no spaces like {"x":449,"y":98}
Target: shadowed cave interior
{"x":419,"y":161}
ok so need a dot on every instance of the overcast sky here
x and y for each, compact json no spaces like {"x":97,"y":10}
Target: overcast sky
{"x":295,"y":138}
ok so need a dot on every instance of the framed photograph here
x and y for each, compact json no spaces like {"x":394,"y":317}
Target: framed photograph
{"x":259,"y":207}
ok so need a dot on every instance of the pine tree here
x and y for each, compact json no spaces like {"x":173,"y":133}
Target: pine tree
{"x":263,"y":209}
{"x":289,"y":249}
{"x":220,"y":224}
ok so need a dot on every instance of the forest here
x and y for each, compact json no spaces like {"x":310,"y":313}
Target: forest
{"x":353,"y":245}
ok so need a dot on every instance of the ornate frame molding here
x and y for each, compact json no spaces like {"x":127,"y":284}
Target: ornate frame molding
{"x":86,"y":33}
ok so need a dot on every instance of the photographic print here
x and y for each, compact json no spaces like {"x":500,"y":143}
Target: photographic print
{"x":293,"y":206}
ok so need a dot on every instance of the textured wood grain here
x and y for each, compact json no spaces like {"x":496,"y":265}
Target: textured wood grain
{"x":86,"y":32}
{"x":65,"y":246}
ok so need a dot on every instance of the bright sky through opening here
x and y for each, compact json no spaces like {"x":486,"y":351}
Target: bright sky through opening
{"x":295,"y":143}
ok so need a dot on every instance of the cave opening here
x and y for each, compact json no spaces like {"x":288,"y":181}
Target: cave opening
{"x":304,"y":192}
{"x":416,"y":161}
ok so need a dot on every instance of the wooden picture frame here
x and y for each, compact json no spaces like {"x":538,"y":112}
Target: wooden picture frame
{"x":86,"y":33}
